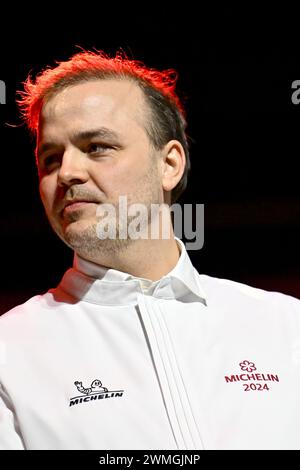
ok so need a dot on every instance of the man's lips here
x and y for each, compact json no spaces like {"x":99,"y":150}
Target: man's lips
{"x":70,"y":206}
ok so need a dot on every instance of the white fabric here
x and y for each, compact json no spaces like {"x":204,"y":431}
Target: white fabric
{"x":189,"y":362}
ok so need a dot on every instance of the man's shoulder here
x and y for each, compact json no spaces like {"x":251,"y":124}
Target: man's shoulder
{"x":234,"y":290}
{"x":28,"y":310}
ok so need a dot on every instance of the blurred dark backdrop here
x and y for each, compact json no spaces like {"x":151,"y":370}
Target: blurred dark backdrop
{"x":235,"y":70}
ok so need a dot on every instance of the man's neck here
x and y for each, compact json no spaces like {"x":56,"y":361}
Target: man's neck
{"x":148,"y":259}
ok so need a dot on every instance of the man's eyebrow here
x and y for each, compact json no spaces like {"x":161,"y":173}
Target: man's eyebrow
{"x":102,"y":132}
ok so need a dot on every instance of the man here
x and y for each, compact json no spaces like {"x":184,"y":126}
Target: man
{"x":135,"y":349}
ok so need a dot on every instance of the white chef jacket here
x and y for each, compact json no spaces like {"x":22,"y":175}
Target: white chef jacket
{"x":109,"y":361}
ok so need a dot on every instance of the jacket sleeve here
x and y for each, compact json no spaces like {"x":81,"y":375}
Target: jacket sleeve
{"x":10,"y":437}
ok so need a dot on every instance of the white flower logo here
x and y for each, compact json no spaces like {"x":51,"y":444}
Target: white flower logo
{"x":247,"y":365}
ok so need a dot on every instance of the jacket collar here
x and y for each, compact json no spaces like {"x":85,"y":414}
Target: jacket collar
{"x":97,"y":284}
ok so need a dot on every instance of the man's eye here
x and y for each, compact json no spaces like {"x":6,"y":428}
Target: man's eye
{"x":98,"y":148}
{"x":50,"y":160}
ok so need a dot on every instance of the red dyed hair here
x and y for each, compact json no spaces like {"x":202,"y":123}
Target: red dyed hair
{"x":85,"y":66}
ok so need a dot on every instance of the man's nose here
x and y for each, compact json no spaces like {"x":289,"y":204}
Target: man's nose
{"x":73,"y":168}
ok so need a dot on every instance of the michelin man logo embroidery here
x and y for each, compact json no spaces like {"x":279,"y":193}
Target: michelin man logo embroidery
{"x":96,"y":386}
{"x":95,"y":392}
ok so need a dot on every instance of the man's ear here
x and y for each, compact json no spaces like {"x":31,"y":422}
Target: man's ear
{"x":173,"y":164}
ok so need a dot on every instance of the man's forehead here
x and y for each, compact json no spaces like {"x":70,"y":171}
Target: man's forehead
{"x":108,"y":96}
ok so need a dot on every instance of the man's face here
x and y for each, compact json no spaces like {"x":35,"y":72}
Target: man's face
{"x":92,"y":145}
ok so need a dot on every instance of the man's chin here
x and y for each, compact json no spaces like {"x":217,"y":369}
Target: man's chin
{"x":83,"y":239}
{"x":78,"y":233}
